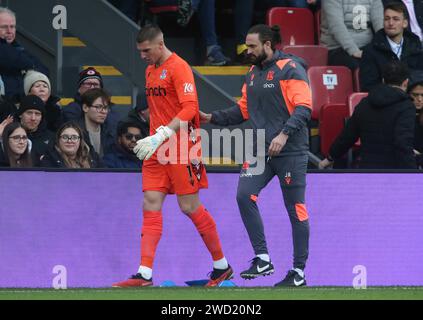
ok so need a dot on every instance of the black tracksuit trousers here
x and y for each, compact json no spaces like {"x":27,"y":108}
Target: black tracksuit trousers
{"x":291,"y":171}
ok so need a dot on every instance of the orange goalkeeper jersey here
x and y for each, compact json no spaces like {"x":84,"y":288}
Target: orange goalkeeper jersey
{"x":171,"y":93}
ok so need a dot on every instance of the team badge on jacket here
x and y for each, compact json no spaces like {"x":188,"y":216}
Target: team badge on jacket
{"x":164,"y":74}
{"x":270,"y":75}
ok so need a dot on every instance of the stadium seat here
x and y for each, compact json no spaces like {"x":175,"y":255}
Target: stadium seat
{"x":329,"y":85}
{"x":297,"y":24}
{"x":331,"y":123}
{"x":161,"y":9}
{"x":353,"y":100}
{"x":312,"y":54}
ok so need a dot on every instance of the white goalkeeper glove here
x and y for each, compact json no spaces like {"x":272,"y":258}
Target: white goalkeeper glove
{"x":146,"y":147}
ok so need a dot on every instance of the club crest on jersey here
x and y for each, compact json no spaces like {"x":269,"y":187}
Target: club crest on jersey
{"x":270,"y":75}
{"x":164,"y":74}
{"x":244,"y":170}
{"x":288,"y":178}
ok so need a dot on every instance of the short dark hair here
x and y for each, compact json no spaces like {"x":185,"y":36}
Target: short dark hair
{"x":122,"y":127}
{"x":397,"y":6}
{"x":91,"y":95}
{"x":395,"y":73}
{"x":148,"y":33}
{"x":267,"y":33}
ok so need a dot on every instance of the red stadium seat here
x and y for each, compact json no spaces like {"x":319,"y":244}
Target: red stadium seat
{"x":329,"y":84}
{"x":313,"y":55}
{"x":297,"y":24}
{"x":161,"y":9}
{"x":331,"y":123}
{"x":353,"y":100}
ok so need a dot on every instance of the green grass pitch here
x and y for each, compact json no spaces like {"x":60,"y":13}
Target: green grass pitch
{"x":193,"y":293}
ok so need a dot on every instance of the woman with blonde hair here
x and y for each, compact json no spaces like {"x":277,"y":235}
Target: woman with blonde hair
{"x":70,"y":150}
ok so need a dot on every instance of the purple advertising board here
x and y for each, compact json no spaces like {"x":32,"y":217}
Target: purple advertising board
{"x":88,"y":224}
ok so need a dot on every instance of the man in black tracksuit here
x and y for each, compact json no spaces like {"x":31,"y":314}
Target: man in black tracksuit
{"x":384,"y":121}
{"x":276,"y":98}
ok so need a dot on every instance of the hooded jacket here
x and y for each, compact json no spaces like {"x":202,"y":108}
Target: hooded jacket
{"x":384,"y":121}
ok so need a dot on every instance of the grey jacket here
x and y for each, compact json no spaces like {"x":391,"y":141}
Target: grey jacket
{"x":275,"y":97}
{"x":348,"y":24}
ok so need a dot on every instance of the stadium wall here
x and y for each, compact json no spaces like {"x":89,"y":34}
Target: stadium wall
{"x":90,"y":224}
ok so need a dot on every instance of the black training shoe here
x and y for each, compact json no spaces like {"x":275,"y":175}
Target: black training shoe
{"x":294,"y":278}
{"x":258,"y":268}
{"x":217,"y":276}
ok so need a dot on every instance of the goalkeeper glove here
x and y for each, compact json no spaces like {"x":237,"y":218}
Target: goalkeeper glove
{"x":146,"y":147}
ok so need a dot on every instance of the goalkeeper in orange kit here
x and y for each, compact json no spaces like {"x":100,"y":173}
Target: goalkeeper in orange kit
{"x":174,"y":120}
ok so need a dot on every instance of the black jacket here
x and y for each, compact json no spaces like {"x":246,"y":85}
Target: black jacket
{"x":52,"y":159}
{"x":384,"y":121}
{"x":133,"y":116}
{"x":40,"y":140}
{"x":378,"y":53}
{"x":119,"y":158}
{"x":13,"y":60}
{"x":107,"y":136}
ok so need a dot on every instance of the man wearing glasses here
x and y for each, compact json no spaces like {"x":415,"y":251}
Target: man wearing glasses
{"x":89,"y":78}
{"x":96,"y":107}
{"x":122,"y":154}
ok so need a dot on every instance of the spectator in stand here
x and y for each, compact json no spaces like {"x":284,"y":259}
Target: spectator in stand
{"x":89,"y":78}
{"x":70,"y":150}
{"x":384,"y":121}
{"x":122,"y":154}
{"x":15,"y":152}
{"x":30,"y":114}
{"x":205,"y":10}
{"x":38,"y":84}
{"x":96,"y":107}
{"x":415,"y":15}
{"x":140,"y":115}
{"x":415,"y":89}
{"x":393,"y":42}
{"x":243,"y":19}
{"x":14,"y":59}
{"x":347,"y":26}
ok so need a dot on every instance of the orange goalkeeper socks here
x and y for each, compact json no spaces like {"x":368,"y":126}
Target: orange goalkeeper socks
{"x":150,"y":236}
{"x":206,"y":226}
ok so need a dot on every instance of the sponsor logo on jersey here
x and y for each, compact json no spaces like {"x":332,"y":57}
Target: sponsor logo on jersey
{"x":188,"y":88}
{"x":268,"y":85}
